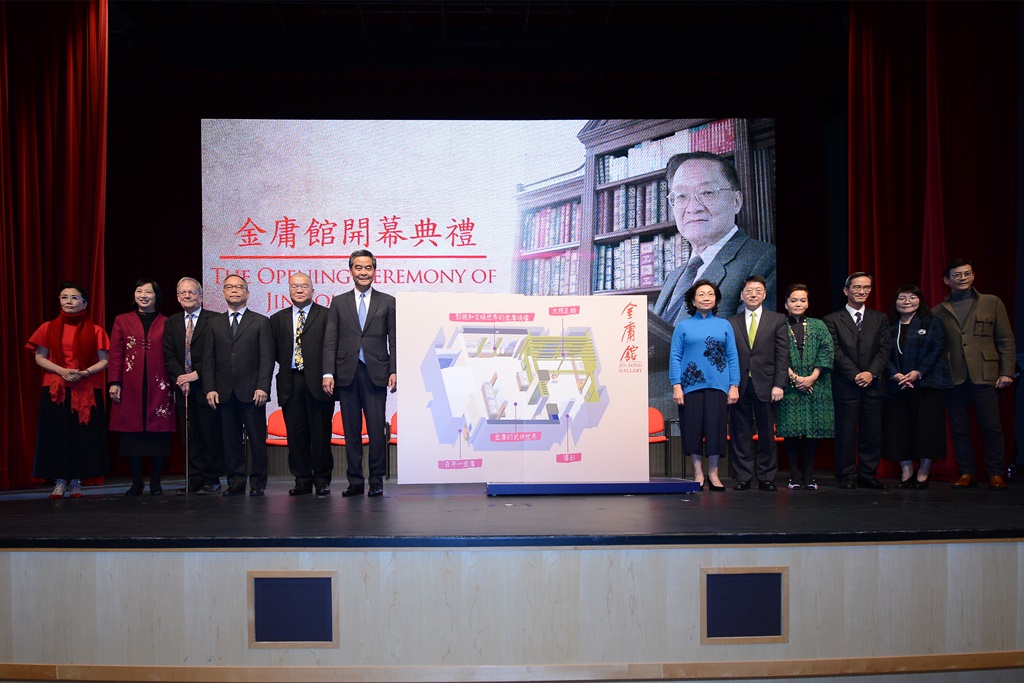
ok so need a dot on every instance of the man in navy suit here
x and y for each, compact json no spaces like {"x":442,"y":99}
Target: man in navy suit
{"x":862,"y":344}
{"x":359,"y":363}
{"x":299,"y":343}
{"x":762,"y":343}
{"x":239,"y":364}
{"x":705,"y":195}
{"x":185,"y":338}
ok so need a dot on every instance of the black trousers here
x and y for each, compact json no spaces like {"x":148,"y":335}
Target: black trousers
{"x":308,"y":421}
{"x":985,"y":401}
{"x":363,"y":397}
{"x":750,"y":459}
{"x":237,"y":417}
{"x":858,"y":435}
{"x":202,"y":440}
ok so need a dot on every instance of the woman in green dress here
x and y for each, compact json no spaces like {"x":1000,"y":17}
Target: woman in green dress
{"x":805,"y":412}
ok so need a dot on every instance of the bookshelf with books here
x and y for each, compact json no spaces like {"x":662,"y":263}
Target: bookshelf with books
{"x":614,"y":223}
{"x":550,"y":224}
{"x":635,"y":243}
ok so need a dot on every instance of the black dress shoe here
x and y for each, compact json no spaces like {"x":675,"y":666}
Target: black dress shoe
{"x":741,"y":486}
{"x":135,"y":490}
{"x":767,"y":486}
{"x":156,"y":490}
{"x":376,"y":491}
{"x":848,"y":484}
{"x":234,"y":490}
{"x":209,"y":489}
{"x":187,"y":490}
{"x":871,"y":483}
{"x":255,"y":493}
{"x":352,"y":491}
{"x":300,"y":491}
{"x":324,"y":489}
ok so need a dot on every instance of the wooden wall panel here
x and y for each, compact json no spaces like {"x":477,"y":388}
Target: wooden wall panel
{"x":487,"y":614}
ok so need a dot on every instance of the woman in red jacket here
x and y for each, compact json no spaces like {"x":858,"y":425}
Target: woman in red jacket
{"x":72,"y":440}
{"x":142,"y":401}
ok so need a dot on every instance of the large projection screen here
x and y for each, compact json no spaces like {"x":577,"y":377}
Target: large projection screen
{"x":538,"y":207}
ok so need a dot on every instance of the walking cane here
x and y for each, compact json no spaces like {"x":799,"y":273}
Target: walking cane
{"x":186,"y":442}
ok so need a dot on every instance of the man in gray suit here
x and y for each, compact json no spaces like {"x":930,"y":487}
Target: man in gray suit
{"x":238,"y":366}
{"x":359,"y":362}
{"x":299,"y":342}
{"x":762,"y":343}
{"x":705,"y":195}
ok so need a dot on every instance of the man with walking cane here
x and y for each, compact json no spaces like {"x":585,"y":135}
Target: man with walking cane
{"x":184,"y":342}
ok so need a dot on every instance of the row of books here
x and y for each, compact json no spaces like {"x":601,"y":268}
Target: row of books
{"x":632,"y":206}
{"x":633,"y":264}
{"x":558,"y":274}
{"x":551,"y":225}
{"x":718,"y":137}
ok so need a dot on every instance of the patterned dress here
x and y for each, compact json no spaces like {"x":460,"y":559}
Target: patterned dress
{"x":810,"y":415}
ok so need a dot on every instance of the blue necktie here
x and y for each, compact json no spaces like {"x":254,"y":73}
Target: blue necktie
{"x":362,"y":321}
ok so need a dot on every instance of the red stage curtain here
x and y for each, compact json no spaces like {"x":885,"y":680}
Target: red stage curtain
{"x":932,"y":148}
{"x":53,"y":113}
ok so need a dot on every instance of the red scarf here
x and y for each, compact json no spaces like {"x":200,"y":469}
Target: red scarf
{"x":83,"y":355}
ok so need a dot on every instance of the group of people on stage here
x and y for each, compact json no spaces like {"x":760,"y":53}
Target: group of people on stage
{"x":214,"y":371}
{"x":880,"y":385}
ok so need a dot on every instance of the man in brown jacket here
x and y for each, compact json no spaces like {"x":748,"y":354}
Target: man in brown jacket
{"x":980,"y":344}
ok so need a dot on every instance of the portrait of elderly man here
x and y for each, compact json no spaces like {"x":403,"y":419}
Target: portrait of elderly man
{"x":705,"y":196}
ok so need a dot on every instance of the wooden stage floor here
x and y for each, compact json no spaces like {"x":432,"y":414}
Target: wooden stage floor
{"x":464,"y":516}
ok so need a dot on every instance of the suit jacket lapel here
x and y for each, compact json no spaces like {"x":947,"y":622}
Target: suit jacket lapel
{"x":201,"y":320}
{"x":717,"y":271}
{"x":243,"y":323}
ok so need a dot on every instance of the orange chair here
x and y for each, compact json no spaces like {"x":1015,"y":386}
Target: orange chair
{"x":338,"y":431}
{"x":277,"y":434}
{"x":656,"y":433}
{"x":392,"y":441}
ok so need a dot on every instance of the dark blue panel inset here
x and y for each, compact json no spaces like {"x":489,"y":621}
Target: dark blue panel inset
{"x":744,"y":605}
{"x":293,"y":610}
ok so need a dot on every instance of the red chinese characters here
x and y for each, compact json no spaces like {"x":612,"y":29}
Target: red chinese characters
{"x":469,"y":317}
{"x":249,"y":234}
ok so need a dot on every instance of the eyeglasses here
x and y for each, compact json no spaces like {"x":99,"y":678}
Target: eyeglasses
{"x":965,"y":275}
{"x":300,"y":287}
{"x":703,"y":195}
{"x":230,"y":287}
{"x":188,"y":292}
{"x":907,"y":299}
{"x":860,"y":288}
{"x":70,"y":297}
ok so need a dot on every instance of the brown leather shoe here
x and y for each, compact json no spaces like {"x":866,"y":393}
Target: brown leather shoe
{"x":996,"y":482}
{"x":965,"y":481}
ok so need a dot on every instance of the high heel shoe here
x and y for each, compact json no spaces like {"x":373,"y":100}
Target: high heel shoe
{"x":907,"y":483}
{"x":701,"y":484}
{"x":921,"y":484}
{"x":135,"y":490}
{"x":711,"y":485}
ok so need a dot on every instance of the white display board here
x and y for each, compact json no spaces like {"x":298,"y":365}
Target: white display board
{"x":512,"y":388}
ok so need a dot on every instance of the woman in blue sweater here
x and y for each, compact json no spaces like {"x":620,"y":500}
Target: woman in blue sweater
{"x":704,"y":370}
